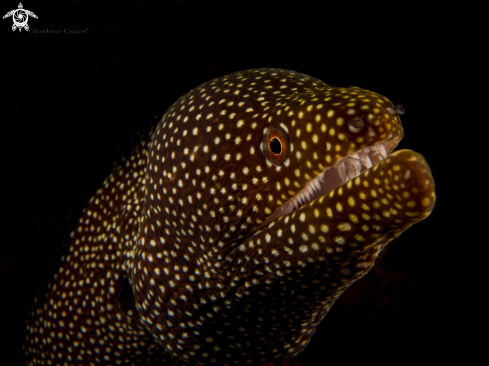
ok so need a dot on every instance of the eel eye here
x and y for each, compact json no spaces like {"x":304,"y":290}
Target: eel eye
{"x":275,"y":145}
{"x":356,"y":124}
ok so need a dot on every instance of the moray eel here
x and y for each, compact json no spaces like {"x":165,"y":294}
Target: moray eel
{"x":226,"y":237}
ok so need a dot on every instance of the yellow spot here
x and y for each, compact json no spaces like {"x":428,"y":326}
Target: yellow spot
{"x":323,"y":127}
{"x":312,"y":229}
{"x":396,"y":168}
{"x":373,"y":192}
{"x":318,"y":117}
{"x":344,"y":226}
{"x":331,"y":131}
{"x":426,"y":201}
{"x":304,"y":145}
{"x":345,"y":271}
{"x":353,"y":218}
{"x":342,"y":136}
{"x":309,"y":127}
{"x":339,"y":240}
{"x":340,"y":121}
{"x":316,"y":212}
{"x":330,"y":113}
{"x":297,"y":172}
{"x":302,"y":217}
{"x":315,"y":138}
{"x":358,"y":237}
{"x":324,"y":228}
{"x":339,"y":207}
{"x":303,"y":248}
{"x":329,"y":212}
{"x":351,"y":201}
{"x":411,"y":204}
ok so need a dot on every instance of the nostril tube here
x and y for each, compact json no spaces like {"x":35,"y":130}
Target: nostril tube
{"x":398,"y":110}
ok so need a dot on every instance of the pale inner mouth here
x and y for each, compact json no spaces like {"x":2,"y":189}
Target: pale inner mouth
{"x":340,"y":173}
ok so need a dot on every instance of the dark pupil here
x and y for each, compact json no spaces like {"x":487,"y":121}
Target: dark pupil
{"x":275,"y":146}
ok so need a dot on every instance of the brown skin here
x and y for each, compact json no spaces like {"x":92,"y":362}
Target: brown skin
{"x":173,"y":260}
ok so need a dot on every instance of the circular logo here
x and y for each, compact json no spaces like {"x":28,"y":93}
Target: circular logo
{"x":20,"y":17}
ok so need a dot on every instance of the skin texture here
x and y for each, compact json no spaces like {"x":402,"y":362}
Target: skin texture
{"x":211,"y":245}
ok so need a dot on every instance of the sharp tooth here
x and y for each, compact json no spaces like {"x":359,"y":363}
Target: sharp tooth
{"x":317,"y":184}
{"x":355,"y":156}
{"x":321,"y":178}
{"x":351,"y":170}
{"x":363,"y":155}
{"x":367,"y":163}
{"x":342,"y":171}
{"x":357,"y":164}
{"x":382,"y":151}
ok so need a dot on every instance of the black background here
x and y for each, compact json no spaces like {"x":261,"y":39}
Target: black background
{"x":71,"y":105}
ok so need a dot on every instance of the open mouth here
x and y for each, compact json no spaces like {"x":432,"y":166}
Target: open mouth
{"x":340,"y":173}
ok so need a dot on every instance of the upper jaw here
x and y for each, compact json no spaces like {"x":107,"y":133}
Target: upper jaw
{"x":340,"y":173}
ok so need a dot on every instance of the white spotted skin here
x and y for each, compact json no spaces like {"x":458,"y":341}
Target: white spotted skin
{"x":81,"y":320}
{"x":185,"y":220}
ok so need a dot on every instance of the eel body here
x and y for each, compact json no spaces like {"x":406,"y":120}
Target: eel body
{"x":227,"y":235}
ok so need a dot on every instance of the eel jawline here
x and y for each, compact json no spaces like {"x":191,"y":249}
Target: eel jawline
{"x":340,"y":173}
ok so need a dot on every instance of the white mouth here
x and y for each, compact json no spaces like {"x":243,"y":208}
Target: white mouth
{"x":340,"y":173}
